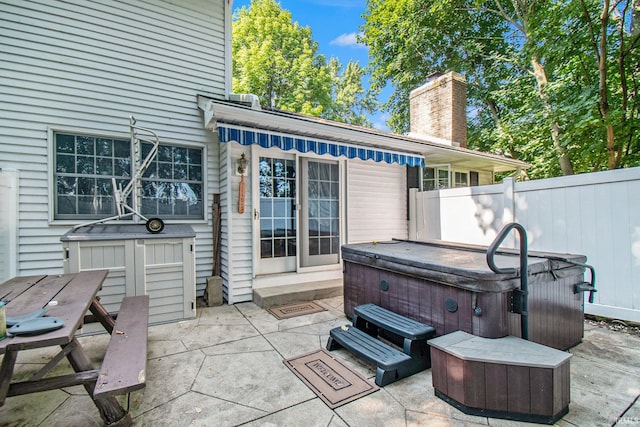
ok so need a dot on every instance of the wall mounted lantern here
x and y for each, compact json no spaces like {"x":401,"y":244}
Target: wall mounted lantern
{"x":241,"y":165}
{"x":241,"y":169}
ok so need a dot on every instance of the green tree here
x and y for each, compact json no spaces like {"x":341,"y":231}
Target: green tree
{"x":278,"y":60}
{"x":537,"y":89}
{"x":351,"y":102}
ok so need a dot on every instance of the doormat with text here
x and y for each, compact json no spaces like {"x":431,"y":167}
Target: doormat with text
{"x":333,"y":382}
{"x":296,"y":309}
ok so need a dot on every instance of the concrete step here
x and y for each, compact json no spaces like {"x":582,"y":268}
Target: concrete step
{"x":300,"y":292}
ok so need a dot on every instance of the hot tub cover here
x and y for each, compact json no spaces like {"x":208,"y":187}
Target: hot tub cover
{"x":458,"y":264}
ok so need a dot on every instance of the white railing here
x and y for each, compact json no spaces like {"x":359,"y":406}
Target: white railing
{"x":595,"y":214}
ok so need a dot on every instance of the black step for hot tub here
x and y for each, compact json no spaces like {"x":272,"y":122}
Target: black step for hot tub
{"x":371,"y":321}
{"x":372,"y":318}
{"x":392,"y":364}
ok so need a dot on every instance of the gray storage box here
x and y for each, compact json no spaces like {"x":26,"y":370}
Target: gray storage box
{"x":160,"y":265}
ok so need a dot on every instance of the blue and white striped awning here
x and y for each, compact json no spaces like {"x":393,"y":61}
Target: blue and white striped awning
{"x":267,"y":139}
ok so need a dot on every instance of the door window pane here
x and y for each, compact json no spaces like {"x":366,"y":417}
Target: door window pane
{"x":324,"y":208}
{"x":277,"y":207}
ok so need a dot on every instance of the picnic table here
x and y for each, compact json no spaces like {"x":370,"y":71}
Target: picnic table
{"x":68,"y":298}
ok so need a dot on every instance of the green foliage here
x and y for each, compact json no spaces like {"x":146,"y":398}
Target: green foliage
{"x":513,"y":106}
{"x":351,"y":102}
{"x":278,"y":60}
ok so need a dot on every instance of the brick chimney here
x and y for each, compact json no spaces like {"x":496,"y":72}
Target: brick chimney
{"x":439,"y":108}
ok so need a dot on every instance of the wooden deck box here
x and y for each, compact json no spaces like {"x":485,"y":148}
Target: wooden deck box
{"x":503,"y":377}
{"x":451,"y":287}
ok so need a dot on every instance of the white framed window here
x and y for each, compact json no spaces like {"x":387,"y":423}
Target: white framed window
{"x":435,"y":177}
{"x":461,"y":179}
{"x":84,"y":165}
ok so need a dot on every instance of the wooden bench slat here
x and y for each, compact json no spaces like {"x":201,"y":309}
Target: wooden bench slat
{"x":124,"y":367}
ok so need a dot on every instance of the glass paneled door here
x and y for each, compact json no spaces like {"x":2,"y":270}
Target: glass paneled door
{"x":277,"y":215}
{"x":314,"y":238}
{"x":320,"y":220}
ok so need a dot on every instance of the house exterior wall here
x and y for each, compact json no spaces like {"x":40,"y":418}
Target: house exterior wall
{"x":376,"y":201}
{"x":148,"y":59}
{"x":484,"y":177}
{"x":239,"y":270}
{"x":375,"y":198}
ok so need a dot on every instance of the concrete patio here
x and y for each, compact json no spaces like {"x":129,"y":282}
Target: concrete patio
{"x":225,"y":368}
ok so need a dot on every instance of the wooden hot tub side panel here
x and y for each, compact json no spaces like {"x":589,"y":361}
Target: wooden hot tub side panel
{"x":503,"y":389}
{"x":350,"y":288}
{"x":492,"y":322}
{"x":555,"y":312}
{"x":425,"y":301}
{"x":463,"y":318}
{"x":394,"y":298}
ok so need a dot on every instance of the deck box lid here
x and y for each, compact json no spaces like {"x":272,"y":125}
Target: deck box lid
{"x":126,"y":231}
{"x":457,"y":264}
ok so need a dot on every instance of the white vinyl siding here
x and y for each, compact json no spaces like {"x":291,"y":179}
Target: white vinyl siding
{"x":484,"y":177}
{"x":86,"y":67}
{"x":376,"y":201}
{"x":225,"y":225}
{"x":239,"y":267}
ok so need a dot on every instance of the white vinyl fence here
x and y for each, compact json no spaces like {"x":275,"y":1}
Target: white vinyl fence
{"x":595,"y":214}
{"x":8,"y":224}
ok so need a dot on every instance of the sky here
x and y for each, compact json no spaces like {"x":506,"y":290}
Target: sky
{"x":334,"y":25}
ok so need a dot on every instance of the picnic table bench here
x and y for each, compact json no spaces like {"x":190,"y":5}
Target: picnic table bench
{"x":124,"y":367}
{"x":67,"y":298}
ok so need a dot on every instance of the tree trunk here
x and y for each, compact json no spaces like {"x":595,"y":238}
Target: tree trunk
{"x":635,"y":17}
{"x":515,"y":154}
{"x":541,"y":78}
{"x":613,"y":152}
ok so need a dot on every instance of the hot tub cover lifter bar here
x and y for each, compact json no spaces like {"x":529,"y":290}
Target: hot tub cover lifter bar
{"x":520,"y":301}
{"x":521,"y":304}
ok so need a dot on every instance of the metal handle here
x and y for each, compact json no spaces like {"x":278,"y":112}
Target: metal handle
{"x":493,"y":248}
{"x":523,"y":293}
{"x":584,"y":286}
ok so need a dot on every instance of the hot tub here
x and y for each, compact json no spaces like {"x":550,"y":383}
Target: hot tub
{"x":451,"y":287}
